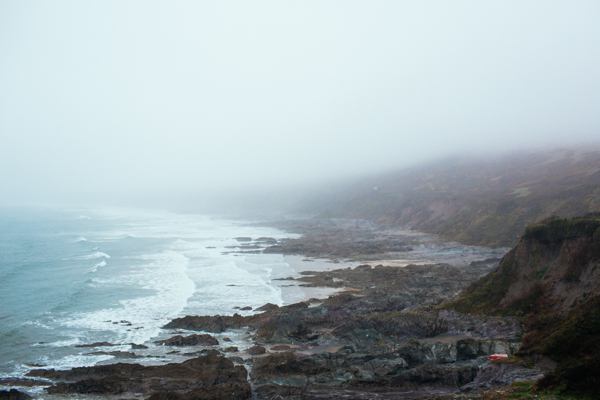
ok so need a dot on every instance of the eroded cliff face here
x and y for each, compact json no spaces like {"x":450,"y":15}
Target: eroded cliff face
{"x":551,"y":279}
{"x":552,"y":269}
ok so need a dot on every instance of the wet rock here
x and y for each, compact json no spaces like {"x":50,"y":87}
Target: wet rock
{"x":97,"y":344}
{"x":120,"y":354}
{"x":231,"y":349}
{"x":243,"y":239}
{"x":205,"y":376}
{"x":280,"y":347}
{"x":256,"y":350}
{"x":13,"y":394}
{"x":283,"y":328}
{"x":23,"y":382}
{"x":247,"y":308}
{"x":268,"y":307}
{"x":138,"y":346}
{"x":266,"y":241}
{"x":216,"y":323}
{"x":207,"y":352}
{"x":285,"y":369}
{"x":191,"y":340}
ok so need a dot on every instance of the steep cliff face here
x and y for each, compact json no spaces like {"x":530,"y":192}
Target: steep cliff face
{"x":551,"y":279}
{"x":554,"y":267}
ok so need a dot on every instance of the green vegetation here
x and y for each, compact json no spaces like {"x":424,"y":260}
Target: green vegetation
{"x":554,"y":229}
{"x":575,"y":344}
{"x":484,"y":295}
{"x":570,"y":247}
{"x":527,"y":390}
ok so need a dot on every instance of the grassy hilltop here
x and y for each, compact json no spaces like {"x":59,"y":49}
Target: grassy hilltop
{"x":475,"y":201}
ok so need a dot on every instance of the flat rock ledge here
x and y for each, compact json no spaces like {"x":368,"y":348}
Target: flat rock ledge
{"x":191,"y":340}
{"x":204,"y":377}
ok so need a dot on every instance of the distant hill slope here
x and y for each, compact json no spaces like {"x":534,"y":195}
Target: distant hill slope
{"x":475,"y":201}
{"x":552,"y":280}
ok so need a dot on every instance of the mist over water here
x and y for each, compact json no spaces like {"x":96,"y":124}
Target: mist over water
{"x":168,"y":104}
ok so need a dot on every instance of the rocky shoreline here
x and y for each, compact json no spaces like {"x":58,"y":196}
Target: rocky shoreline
{"x":383,"y":335}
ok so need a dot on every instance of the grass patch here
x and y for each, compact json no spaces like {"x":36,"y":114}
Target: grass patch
{"x":555,"y":229}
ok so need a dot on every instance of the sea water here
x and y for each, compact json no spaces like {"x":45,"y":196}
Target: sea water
{"x":71,"y":277}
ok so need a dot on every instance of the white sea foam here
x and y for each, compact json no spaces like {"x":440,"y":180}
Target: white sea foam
{"x":97,"y":254}
{"x":166,"y":275}
{"x":73,"y":361}
{"x":80,"y":239}
{"x":99,"y":265}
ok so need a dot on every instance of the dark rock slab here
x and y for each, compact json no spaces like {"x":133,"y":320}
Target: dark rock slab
{"x":121,"y":354}
{"x":268,"y":307}
{"x":283,"y":328}
{"x":13,"y":394}
{"x":191,"y":340}
{"x":231,"y":349}
{"x":23,"y":382}
{"x":256,"y":350}
{"x":206,"y":377}
{"x":286,"y":369}
{"x":215,"y":323}
{"x":97,"y":344}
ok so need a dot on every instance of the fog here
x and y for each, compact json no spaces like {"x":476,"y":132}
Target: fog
{"x":161,"y":103}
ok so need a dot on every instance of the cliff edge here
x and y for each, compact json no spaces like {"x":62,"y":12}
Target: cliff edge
{"x":551,"y":279}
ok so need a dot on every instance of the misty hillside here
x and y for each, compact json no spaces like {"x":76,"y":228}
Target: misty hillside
{"x":478,"y":201}
{"x":551,"y":280}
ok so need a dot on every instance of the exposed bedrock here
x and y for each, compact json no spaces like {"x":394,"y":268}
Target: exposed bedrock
{"x":401,"y":365}
{"x":191,"y":340}
{"x":205,"y":377}
{"x":213,"y":323}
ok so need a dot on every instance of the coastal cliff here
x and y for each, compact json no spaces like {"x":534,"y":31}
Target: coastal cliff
{"x":551,"y":280}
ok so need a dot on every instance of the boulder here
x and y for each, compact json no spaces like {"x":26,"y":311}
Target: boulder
{"x":256,"y":350}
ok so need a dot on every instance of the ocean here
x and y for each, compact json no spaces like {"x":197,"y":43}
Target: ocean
{"x":70,"y":277}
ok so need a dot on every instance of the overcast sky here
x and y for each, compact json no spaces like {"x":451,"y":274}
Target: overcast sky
{"x":108,"y":101}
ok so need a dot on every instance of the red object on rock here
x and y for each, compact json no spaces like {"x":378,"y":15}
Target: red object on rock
{"x":497,"y":356}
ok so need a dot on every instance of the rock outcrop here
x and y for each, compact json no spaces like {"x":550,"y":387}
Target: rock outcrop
{"x":551,"y":279}
{"x":191,"y":340}
{"x":205,"y":377}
